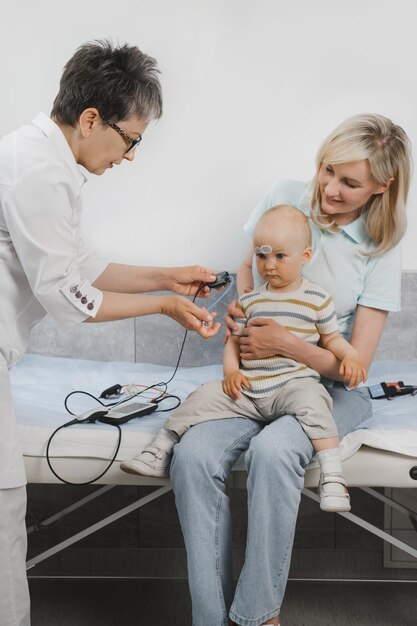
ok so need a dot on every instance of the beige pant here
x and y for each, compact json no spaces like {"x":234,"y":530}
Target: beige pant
{"x":305,"y":398}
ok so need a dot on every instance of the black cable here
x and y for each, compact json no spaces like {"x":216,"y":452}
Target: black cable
{"x":93,"y":480}
{"x":170,"y":408}
{"x":86,"y":394}
{"x":109,"y":404}
{"x":75,"y":421}
{"x":163,"y":383}
{"x":157,"y":400}
{"x":183,"y":342}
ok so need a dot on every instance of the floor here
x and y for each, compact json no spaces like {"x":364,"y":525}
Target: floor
{"x":147,"y":546}
{"x":78,"y":602}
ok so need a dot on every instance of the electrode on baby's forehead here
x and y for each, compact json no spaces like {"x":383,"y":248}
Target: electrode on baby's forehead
{"x":263,"y":249}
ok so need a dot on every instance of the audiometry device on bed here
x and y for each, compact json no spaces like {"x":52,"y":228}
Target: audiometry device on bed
{"x":123,"y":414}
{"x":113,"y":417}
{"x":391,"y":390}
{"x":117,"y":413}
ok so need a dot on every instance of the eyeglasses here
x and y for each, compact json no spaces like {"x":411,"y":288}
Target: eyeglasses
{"x":131,"y":143}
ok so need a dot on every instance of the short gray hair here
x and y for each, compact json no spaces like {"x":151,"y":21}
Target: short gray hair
{"x":119,"y":81}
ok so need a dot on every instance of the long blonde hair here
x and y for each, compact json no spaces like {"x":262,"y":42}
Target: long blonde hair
{"x":388,"y":151}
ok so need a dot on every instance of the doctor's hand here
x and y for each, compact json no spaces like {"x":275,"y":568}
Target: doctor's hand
{"x":233,"y":311}
{"x":264,"y":338}
{"x":190,"y":316}
{"x":187,"y":280}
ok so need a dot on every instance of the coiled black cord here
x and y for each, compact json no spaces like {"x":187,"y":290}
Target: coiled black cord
{"x":157,"y":400}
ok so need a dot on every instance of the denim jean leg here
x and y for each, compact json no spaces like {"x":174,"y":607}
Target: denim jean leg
{"x":275,"y":460}
{"x":201,"y":463}
{"x":350,"y":408}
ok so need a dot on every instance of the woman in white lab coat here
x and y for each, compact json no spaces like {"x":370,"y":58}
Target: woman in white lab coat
{"x":106,"y":99}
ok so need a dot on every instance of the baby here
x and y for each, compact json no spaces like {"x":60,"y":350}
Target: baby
{"x":265,"y":389}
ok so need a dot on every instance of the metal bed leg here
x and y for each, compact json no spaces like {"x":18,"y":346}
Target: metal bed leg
{"x":92,"y":529}
{"x":369,"y":527}
{"x":390,"y":502}
{"x":69,"y":509}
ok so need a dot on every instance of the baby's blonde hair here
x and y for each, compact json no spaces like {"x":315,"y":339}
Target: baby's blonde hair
{"x":290,"y":211}
{"x":388,"y":151}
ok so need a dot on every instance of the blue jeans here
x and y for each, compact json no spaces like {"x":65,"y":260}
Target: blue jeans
{"x":276,"y":457}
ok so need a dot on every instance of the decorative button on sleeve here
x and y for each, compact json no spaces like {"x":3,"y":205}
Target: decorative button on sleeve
{"x":83,"y":295}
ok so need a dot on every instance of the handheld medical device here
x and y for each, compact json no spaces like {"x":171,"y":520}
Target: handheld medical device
{"x":114,"y":413}
{"x":391,"y":390}
{"x":123,"y":414}
{"x":222,"y":279}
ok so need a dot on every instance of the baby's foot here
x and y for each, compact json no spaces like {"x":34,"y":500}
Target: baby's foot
{"x":334,"y":496}
{"x":151,"y":461}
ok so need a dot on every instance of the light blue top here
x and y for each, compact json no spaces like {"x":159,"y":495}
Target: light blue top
{"x":337,"y":264}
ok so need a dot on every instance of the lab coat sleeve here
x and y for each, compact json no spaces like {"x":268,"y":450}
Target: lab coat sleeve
{"x":91,"y":266}
{"x":42,"y":213}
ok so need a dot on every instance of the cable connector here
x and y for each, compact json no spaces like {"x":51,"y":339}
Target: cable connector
{"x":111,"y":392}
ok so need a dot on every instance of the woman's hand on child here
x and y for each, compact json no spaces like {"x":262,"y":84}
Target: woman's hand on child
{"x":233,"y":383}
{"x":352,"y":372}
{"x":263,"y":338}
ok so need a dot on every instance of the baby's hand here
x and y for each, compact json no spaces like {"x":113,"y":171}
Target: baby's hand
{"x":353,"y":372}
{"x":233,"y":383}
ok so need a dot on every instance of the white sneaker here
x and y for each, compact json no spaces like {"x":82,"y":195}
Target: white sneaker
{"x":151,"y":461}
{"x":334,"y":496}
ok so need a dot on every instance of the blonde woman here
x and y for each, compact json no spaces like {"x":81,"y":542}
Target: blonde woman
{"x":356,"y":204}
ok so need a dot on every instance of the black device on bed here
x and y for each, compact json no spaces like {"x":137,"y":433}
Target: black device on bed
{"x":125,"y":413}
{"x":121,"y":414}
{"x":114,"y":417}
{"x":376,"y":391}
{"x":391,"y":390}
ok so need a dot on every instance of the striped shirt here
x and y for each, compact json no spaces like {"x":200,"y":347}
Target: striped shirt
{"x":308,"y":312}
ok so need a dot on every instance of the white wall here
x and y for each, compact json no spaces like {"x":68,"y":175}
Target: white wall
{"x":250,"y":90}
